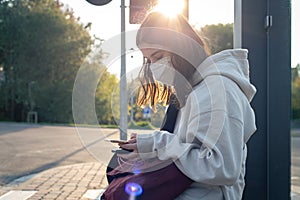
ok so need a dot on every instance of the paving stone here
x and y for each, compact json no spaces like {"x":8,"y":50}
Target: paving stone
{"x":64,"y":183}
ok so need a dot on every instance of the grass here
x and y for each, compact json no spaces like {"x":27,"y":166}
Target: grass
{"x":141,"y":125}
{"x":64,"y":124}
{"x":295,"y":132}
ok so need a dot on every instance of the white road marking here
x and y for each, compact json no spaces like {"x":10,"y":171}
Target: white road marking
{"x":21,"y":179}
{"x":93,"y":194}
{"x":18,"y":194}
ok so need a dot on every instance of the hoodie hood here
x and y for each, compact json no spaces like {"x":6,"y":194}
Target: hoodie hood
{"x":233,"y":64}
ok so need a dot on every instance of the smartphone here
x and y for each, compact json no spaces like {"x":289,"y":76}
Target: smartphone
{"x":121,"y":151}
{"x":118,"y":141}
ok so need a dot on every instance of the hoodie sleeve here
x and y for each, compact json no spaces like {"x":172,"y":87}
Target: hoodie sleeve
{"x":215,"y":162}
{"x":217,"y":165}
{"x":210,"y":150}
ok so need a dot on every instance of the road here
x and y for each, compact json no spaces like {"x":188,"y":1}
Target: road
{"x":295,"y":169}
{"x":27,"y":149}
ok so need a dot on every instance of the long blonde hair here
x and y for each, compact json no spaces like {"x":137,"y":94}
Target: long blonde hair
{"x":152,"y":92}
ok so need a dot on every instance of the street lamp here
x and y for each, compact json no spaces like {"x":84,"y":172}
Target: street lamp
{"x":123,"y":81}
{"x":98,"y":2}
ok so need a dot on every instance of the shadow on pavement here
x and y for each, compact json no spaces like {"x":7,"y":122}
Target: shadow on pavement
{"x":12,"y":127}
{"x":6,"y":179}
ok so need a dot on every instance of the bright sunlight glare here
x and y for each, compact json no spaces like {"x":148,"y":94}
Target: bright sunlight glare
{"x":170,"y":8}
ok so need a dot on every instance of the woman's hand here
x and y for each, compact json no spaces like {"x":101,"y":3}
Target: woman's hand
{"x":133,"y":136}
{"x":130,"y":145}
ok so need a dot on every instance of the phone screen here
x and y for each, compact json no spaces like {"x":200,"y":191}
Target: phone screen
{"x":118,"y":141}
{"x":121,"y":151}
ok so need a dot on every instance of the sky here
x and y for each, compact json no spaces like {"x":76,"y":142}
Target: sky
{"x":106,"y":22}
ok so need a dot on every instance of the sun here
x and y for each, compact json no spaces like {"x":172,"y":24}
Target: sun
{"x":171,"y":8}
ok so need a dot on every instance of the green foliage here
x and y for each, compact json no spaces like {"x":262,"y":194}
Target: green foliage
{"x":42,"y":46}
{"x":295,"y":72}
{"x":107,"y":93}
{"x":296,"y":92}
{"x":107,"y":99}
{"x":158,"y":116}
{"x":141,"y":125}
{"x":218,"y":37}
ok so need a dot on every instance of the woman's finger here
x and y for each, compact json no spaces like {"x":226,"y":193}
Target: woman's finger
{"x":130,"y":146}
{"x":129,"y":156}
{"x":131,"y":141}
{"x":133,"y":136}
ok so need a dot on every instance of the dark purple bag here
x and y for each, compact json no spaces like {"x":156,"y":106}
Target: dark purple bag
{"x":163,"y":184}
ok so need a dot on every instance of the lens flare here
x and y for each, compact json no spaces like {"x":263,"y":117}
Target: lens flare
{"x":133,"y":189}
{"x":170,"y":8}
{"x":136,"y":171}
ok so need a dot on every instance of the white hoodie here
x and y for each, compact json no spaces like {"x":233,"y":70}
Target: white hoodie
{"x":211,"y":131}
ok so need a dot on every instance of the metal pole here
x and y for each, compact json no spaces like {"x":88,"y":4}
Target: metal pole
{"x":123,"y":82}
{"x":237,"y":38}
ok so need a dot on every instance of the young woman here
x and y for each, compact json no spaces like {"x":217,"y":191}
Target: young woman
{"x":215,"y":118}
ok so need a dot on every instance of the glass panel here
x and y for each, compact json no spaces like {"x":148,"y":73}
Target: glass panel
{"x":295,"y":129}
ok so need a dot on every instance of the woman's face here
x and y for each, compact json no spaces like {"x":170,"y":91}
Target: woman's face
{"x":153,"y":54}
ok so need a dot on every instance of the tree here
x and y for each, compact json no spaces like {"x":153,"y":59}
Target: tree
{"x":108,"y":92}
{"x":219,"y":37}
{"x":42,"y":45}
{"x":295,"y":72}
{"x":296,"y":92}
{"x":96,"y":91}
{"x":107,"y":99}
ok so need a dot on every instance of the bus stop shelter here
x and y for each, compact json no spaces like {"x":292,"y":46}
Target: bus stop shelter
{"x":264,"y":28}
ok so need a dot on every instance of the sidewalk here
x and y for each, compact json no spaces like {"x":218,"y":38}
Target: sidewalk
{"x":81,"y":181}
{"x":84,"y":181}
